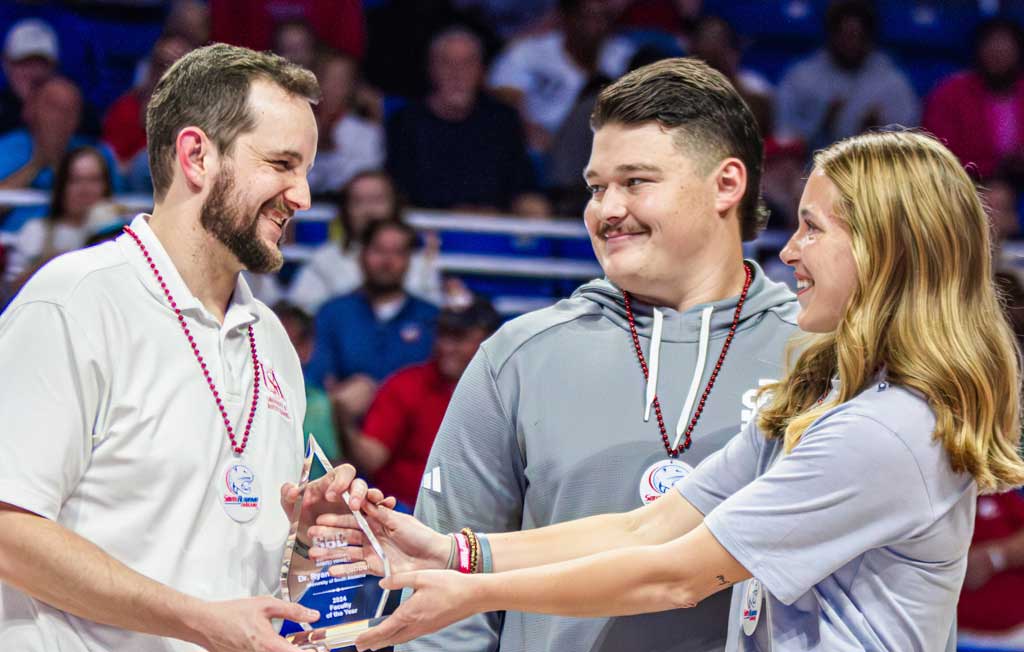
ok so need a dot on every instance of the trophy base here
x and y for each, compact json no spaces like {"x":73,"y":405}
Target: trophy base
{"x":335,"y":637}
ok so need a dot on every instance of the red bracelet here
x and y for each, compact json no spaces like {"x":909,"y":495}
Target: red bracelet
{"x":462,"y":543}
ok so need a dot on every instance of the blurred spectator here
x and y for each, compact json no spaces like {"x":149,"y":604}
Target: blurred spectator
{"x":570,"y":151}
{"x":349,"y":143}
{"x":845,"y":88}
{"x":190,"y":19}
{"x":785,"y":169}
{"x":459,"y":148}
{"x":319,"y":419}
{"x":124,"y":126}
{"x":717,"y":44}
{"x":400,"y":34}
{"x":1000,"y":199}
{"x":543,"y":75}
{"x":395,"y":439}
{"x":978,"y":113}
{"x":334,"y":268}
{"x":253,"y":24}
{"x":29,"y":157}
{"x":295,"y":40}
{"x":511,"y":18}
{"x":676,"y":17}
{"x":990,"y":613}
{"x":366,"y":335}
{"x":83,"y":180}
{"x":30,"y":58}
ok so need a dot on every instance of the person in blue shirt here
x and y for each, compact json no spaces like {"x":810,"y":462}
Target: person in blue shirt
{"x":843,"y":513}
{"x":364,"y":336}
{"x":29,"y":157}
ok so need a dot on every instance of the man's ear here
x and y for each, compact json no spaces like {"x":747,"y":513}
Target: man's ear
{"x":730,"y":184}
{"x":194,"y":153}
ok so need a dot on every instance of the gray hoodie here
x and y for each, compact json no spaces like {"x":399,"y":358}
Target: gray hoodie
{"x":551,"y":422}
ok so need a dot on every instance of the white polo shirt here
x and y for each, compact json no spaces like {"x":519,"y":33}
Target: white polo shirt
{"x":110,"y":429}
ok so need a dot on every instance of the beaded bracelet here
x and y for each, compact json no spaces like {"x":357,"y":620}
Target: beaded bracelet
{"x":474,"y":549}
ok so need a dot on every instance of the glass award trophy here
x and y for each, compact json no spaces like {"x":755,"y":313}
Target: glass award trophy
{"x":348,"y":605}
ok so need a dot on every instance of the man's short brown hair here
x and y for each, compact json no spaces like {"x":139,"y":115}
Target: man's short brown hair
{"x":209,"y":88}
{"x":708,"y":118}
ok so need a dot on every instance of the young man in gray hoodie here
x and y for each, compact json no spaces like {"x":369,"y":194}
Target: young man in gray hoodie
{"x":601,"y":402}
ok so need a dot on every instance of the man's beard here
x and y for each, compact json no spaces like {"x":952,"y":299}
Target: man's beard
{"x":376,"y":287}
{"x":223,"y":217}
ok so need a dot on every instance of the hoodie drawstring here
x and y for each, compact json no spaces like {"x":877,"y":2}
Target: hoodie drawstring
{"x":652,"y":377}
{"x":698,"y":373}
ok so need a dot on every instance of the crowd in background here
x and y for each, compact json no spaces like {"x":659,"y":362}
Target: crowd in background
{"x":480,"y":106}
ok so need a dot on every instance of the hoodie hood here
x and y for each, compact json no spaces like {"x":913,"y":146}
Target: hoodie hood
{"x":699,"y":325}
{"x":764,"y":295}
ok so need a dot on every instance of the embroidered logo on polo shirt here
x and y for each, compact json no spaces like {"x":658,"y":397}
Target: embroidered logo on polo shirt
{"x":275,"y":396}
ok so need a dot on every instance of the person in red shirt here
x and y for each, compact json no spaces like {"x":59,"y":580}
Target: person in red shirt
{"x":976,"y":112}
{"x":395,"y":440}
{"x":990,"y":611}
{"x":124,"y":125}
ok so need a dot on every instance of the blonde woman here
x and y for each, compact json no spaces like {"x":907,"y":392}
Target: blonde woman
{"x":844,"y":512}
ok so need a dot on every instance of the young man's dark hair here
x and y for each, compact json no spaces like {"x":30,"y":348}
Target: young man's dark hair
{"x":709,"y":119}
{"x":378,"y":226}
{"x":209,"y":88}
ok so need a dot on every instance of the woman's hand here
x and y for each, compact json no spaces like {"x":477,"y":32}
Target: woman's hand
{"x":408,"y":544}
{"x":325,"y":495}
{"x":440,"y":598}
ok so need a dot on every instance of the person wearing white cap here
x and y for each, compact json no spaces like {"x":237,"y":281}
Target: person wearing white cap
{"x":30,"y":57}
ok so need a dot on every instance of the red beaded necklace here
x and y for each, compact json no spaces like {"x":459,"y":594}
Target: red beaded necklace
{"x":674,"y":452}
{"x":237,"y":447}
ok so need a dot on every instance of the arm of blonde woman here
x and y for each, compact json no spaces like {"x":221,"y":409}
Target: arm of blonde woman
{"x":639,"y":579}
{"x":410,"y":545}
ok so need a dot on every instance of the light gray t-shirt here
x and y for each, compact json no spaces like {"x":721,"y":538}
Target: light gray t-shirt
{"x":859,"y":536}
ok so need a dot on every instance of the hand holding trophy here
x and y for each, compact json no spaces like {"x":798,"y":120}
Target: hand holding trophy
{"x":317,"y":570}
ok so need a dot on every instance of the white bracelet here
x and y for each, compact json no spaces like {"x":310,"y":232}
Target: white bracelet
{"x":997,"y":557}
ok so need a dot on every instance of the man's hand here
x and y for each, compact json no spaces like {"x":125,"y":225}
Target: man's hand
{"x":244,"y":625}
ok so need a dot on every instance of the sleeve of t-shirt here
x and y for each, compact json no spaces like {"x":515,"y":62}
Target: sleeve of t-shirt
{"x":850,"y":485}
{"x":15,"y":152}
{"x":794,"y":115}
{"x":53,"y":384}
{"x":725,"y":471}
{"x":387,"y":419}
{"x":482,"y":481}
{"x":509,"y":70}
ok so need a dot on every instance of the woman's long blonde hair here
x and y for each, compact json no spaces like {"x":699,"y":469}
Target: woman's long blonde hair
{"x":924,"y":307}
